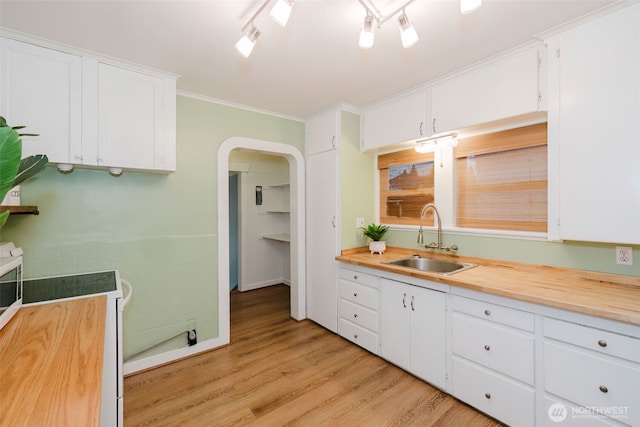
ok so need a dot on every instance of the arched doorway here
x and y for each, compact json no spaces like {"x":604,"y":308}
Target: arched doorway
{"x":297,"y":180}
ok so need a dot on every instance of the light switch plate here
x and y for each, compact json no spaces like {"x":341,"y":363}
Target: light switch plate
{"x":359,"y":222}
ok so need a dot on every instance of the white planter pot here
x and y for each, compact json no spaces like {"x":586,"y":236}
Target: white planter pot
{"x":377,"y":247}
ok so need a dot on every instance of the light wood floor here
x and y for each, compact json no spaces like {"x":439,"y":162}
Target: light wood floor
{"x":278,"y":372}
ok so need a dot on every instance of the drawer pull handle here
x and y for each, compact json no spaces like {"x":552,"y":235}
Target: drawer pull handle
{"x":487,"y":312}
{"x":355,"y":294}
{"x":404,"y":300}
{"x":412,"y":307}
{"x":603,"y":389}
{"x":487,"y":395}
{"x":487,"y":347}
{"x":355,"y":336}
{"x":355,"y":314}
{"x":355,"y":277}
{"x":602,"y":343}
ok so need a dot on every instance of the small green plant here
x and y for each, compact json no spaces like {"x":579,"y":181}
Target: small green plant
{"x":375,"y":232}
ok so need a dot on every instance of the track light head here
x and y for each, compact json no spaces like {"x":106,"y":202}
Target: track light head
{"x":248,"y":41}
{"x":366,"y":34}
{"x":408,"y":34}
{"x":281,"y":11}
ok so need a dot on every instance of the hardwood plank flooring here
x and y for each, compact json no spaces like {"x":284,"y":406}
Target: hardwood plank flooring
{"x":279,"y":372}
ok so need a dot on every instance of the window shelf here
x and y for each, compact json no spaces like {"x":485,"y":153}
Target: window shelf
{"x":21,"y":209}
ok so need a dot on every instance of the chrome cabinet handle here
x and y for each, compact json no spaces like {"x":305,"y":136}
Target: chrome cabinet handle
{"x":333,"y":222}
{"x":355,"y":314}
{"x":487,"y":395}
{"x":355,"y":294}
{"x":333,"y":141}
{"x":404,"y":300}
{"x":603,"y":389}
{"x":355,"y":336}
{"x":433,"y":124}
{"x":487,"y":312}
{"x":412,"y":307}
{"x":602,"y":343}
{"x":487,"y":347}
{"x":355,"y":277}
{"x":420,"y":129}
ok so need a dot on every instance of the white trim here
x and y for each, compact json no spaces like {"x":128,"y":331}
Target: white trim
{"x":171,"y":356}
{"x":297,"y":215}
{"x":237,"y":105}
{"x":477,"y":232}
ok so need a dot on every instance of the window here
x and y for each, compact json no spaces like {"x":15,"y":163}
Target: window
{"x":406,"y":185}
{"x":502,"y":180}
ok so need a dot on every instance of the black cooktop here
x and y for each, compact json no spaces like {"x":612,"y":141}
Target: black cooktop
{"x":50,"y":288}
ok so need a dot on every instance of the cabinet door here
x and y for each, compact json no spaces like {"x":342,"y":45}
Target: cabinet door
{"x":321,"y":239}
{"x":495,"y":91}
{"x":594,"y":123}
{"x":321,"y":133}
{"x":399,"y":120}
{"x":428,"y":336}
{"x":41,"y":88}
{"x":395,"y":344}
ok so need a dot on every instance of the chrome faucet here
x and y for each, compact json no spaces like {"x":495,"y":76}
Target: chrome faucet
{"x":433,"y":245}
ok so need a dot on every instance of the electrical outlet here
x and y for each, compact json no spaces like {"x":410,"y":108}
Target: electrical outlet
{"x":624,"y":255}
{"x":359,"y":222}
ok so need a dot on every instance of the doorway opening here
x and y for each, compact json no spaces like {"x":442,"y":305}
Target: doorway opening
{"x":296,"y":217}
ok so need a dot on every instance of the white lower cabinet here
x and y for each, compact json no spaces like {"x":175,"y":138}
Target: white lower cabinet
{"x":358,"y":308}
{"x":413,"y":330}
{"x":598,"y":371}
{"x":494,"y":359}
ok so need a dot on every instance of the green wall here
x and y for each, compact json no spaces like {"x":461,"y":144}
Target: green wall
{"x":356,"y":169}
{"x":160,"y":231}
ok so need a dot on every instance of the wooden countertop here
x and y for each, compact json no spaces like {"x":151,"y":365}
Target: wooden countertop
{"x":610,"y":296}
{"x":51,"y":358}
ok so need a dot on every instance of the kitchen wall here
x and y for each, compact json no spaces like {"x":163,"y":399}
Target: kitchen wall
{"x":160,"y":231}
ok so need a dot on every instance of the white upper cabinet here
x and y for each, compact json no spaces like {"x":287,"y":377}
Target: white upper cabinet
{"x":594,"y":130}
{"x":503,"y":89}
{"x":41,"y":89}
{"x":89,"y":112}
{"x":135,"y":119}
{"x":321,"y":133}
{"x":399,"y":120}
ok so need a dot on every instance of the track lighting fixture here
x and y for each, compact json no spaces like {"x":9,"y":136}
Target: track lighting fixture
{"x":408,"y":34}
{"x":366,"y":34}
{"x":248,"y":41}
{"x":281,"y":11}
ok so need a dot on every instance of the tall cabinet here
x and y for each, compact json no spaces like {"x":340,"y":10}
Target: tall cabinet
{"x":322,"y":245}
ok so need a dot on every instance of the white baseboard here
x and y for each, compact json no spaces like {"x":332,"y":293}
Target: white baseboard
{"x":171,"y":356}
{"x":258,"y":285}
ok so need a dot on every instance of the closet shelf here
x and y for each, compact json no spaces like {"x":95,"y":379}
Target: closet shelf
{"x":277,"y":237}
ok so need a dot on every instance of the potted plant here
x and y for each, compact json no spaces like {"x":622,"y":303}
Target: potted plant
{"x":375,"y":232}
{"x":13,"y":169}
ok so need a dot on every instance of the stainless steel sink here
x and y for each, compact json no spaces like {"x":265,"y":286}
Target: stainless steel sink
{"x":431,"y":265}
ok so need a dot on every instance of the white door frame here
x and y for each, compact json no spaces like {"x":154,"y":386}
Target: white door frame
{"x":297,"y":244}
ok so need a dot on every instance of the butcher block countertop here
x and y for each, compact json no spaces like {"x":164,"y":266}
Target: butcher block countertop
{"x":51,"y":358}
{"x":610,"y":296}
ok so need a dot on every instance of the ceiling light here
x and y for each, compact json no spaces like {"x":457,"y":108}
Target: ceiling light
{"x":408,"y":34}
{"x":429,"y":145}
{"x":366,"y":34}
{"x":468,"y":6}
{"x":248,"y":41}
{"x":281,"y":11}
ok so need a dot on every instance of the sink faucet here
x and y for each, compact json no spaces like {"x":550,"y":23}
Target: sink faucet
{"x":433,"y":245}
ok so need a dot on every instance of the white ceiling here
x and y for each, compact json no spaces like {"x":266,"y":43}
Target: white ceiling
{"x":311,"y":64}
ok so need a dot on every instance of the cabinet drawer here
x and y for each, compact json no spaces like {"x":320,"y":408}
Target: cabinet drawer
{"x":592,"y":380}
{"x":358,"y":335}
{"x":594,"y":339}
{"x":507,"y":350}
{"x":493,"y":394}
{"x":359,"y":294}
{"x":493,"y":312}
{"x":359,"y":315}
{"x":358,"y":277}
